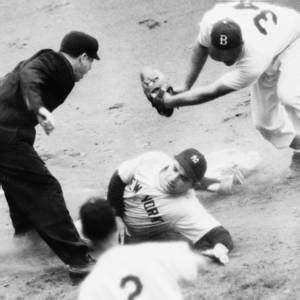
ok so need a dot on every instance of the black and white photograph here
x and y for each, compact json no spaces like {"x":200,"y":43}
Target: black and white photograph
{"x":149,"y":150}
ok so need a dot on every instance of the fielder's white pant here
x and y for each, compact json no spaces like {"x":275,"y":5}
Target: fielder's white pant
{"x":276,"y":98}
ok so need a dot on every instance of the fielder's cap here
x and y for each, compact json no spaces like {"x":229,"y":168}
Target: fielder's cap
{"x":226,"y":34}
{"x":76,"y":43}
{"x":193,"y":162}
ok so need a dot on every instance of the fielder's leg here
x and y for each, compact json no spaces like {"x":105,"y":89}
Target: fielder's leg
{"x":289,"y":95}
{"x":268,"y":114}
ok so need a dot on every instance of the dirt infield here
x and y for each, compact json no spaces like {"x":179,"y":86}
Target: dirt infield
{"x":106,"y":120}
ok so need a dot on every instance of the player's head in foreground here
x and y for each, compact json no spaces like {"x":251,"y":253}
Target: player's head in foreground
{"x":187,"y":169}
{"x":98,"y":223}
{"x":81,"y":50}
{"x":226,"y":42}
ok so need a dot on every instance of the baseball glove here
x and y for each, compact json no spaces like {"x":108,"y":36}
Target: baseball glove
{"x":155,"y":86}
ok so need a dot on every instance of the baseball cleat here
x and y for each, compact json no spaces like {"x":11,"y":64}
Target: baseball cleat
{"x":80,"y":271}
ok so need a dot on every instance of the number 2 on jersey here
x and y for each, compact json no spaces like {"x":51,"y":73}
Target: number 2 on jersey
{"x":137,"y":284}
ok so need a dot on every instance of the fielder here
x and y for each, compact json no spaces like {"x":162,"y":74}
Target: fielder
{"x":146,"y":271}
{"x":154,"y":196}
{"x":262,"y":41}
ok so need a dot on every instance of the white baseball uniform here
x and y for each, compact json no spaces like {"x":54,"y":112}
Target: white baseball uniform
{"x":150,"y":211}
{"x":270,"y":61}
{"x":145,"y":271}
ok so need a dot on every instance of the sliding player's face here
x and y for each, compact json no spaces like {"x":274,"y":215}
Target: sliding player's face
{"x":174,"y":180}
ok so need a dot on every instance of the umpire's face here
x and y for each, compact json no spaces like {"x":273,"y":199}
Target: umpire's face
{"x":82,"y":66}
{"x":174,"y":180}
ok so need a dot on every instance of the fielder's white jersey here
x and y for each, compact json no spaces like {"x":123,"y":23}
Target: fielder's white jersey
{"x":267,"y":31}
{"x":146,"y":271}
{"x":150,"y":211}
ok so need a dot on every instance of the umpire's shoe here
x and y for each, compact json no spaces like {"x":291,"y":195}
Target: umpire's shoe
{"x":78,"y":272}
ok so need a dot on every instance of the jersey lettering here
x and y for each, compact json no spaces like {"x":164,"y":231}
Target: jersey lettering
{"x":151,"y":209}
{"x":134,"y":186}
{"x":258,"y":19}
{"x":137,"y":187}
{"x":137,"y":285}
{"x":223,"y":42}
{"x":263,"y":16}
{"x":157,"y":219}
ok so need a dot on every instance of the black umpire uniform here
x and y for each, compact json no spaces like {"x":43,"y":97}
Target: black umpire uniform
{"x":34,"y":195}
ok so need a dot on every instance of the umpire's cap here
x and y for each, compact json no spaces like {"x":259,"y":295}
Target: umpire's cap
{"x":76,"y":43}
{"x":193,"y":162}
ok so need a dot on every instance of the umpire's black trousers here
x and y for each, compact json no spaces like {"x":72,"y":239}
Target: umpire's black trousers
{"x":36,"y":201}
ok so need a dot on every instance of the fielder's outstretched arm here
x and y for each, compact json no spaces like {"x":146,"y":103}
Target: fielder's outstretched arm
{"x":198,"y":59}
{"x":197,"y":95}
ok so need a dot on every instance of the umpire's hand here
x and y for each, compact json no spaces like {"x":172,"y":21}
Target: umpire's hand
{"x":46,"y":120}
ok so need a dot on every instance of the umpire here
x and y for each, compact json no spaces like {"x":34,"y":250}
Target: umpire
{"x":28,"y":95}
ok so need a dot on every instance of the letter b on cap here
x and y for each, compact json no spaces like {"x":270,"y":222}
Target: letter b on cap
{"x":223,"y":40}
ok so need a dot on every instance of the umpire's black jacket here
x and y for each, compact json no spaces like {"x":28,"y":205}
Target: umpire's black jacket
{"x":45,"y":79}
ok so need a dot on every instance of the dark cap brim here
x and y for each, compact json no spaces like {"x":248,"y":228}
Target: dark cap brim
{"x":95,"y":56}
{"x":184,"y":164}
